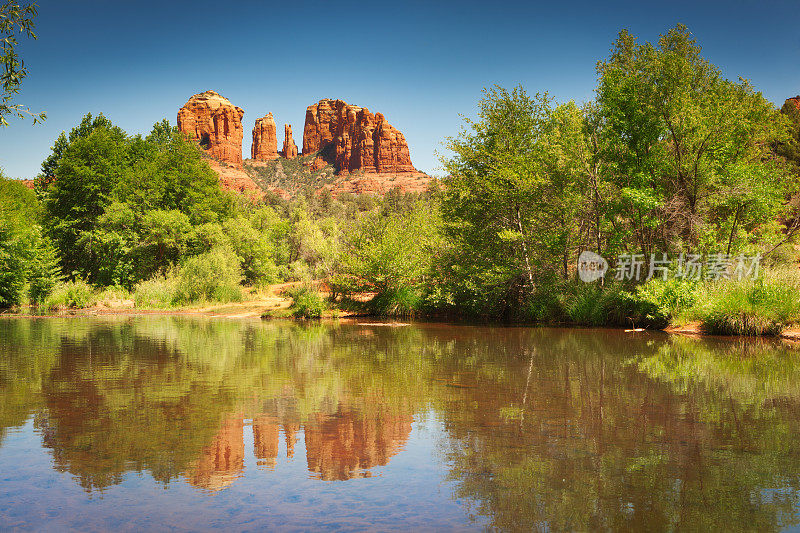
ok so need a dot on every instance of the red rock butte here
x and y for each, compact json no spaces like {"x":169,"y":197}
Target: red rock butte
{"x":362,"y":141}
{"x":289,"y":147}
{"x":265,"y":139}
{"x":216,"y":124}
{"x":795,"y":100}
{"x":345,"y":147}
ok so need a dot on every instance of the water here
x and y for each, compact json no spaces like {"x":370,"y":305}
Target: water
{"x":148,"y":423}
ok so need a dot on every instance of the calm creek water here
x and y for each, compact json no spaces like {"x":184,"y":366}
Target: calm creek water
{"x":159,"y":422}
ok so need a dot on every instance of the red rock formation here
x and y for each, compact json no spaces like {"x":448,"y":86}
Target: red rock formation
{"x":362,"y":141}
{"x":216,"y":124}
{"x":265,"y":139}
{"x":289,"y":147}
{"x":794,"y":100}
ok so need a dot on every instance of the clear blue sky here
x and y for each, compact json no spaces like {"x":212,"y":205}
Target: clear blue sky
{"x":419,"y":63}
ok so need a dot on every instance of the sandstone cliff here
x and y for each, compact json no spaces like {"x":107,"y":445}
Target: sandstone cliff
{"x":362,"y":141}
{"x":346,"y":149}
{"x":265,"y":139}
{"x":216,"y":124}
{"x":289,"y":147}
{"x":795,"y":100}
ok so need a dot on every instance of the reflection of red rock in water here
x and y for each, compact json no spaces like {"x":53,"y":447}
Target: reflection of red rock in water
{"x":266,"y":438}
{"x":348,"y":444}
{"x":221,"y":462}
{"x":290,"y":430}
{"x":266,"y":434}
{"x":338,"y":447}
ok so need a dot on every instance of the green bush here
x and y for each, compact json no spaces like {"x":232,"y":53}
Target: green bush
{"x":212,"y":276}
{"x":611,"y":305}
{"x":670,"y":297}
{"x":399,"y":302}
{"x":306,"y":302}
{"x":71,"y":295}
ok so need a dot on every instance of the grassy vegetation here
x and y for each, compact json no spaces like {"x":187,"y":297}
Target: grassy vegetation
{"x":306,"y":302}
{"x":765,"y":306}
{"x":402,"y":302}
{"x":291,"y":175}
{"x":71,"y":295}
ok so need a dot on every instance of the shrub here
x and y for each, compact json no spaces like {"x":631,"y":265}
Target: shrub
{"x":212,"y":276}
{"x":670,"y":297}
{"x":306,"y":302}
{"x":70,"y":295}
{"x":611,"y":305}
{"x":399,"y":302}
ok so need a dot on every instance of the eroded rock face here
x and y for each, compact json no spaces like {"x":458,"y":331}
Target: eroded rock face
{"x":265,"y":139}
{"x":216,"y":124}
{"x":289,"y":146}
{"x":795,"y":100}
{"x":362,"y":141}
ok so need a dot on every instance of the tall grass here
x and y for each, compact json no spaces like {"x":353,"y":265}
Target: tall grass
{"x":158,"y":292}
{"x":596,"y":305}
{"x":398,"y":302}
{"x":764,"y":306}
{"x":71,"y":295}
{"x":213,"y":276}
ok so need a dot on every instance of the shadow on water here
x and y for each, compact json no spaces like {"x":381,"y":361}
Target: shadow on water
{"x":540,"y":428}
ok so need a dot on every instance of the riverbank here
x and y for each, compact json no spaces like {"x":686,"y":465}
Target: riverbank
{"x":277,"y":305}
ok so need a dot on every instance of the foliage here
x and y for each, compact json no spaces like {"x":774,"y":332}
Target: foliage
{"x":392,"y":254}
{"x":397,"y":302}
{"x":211,"y":276}
{"x":687,"y":151}
{"x":764,"y":306}
{"x":306,"y":302}
{"x":670,"y":297}
{"x":158,"y":292}
{"x":595,"y":305}
{"x":71,"y":294}
{"x":28,"y":261}
{"x":516,"y":185}
{"x":671,"y":157}
{"x":15,"y":19}
{"x":121,"y":208}
{"x":254,"y":250}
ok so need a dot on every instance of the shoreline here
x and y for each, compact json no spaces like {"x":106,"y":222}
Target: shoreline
{"x":259,"y":309}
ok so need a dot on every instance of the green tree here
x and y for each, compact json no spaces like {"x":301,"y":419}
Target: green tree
{"x":687,"y":150}
{"x":517,"y":185}
{"x":87,"y":174}
{"x":27,"y":258}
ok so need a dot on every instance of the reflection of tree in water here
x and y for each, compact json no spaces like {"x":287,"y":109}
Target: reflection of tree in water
{"x":543,"y":429}
{"x":156,"y":395}
{"x":599,"y":444}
